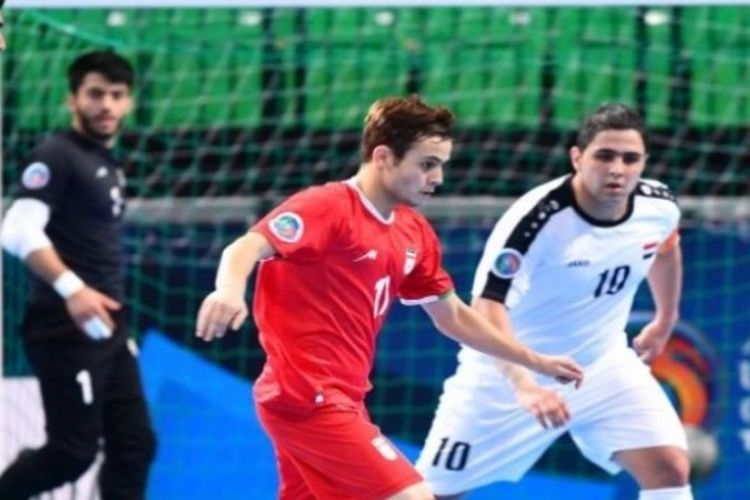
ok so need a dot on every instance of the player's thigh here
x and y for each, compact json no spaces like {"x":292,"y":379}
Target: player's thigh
{"x":292,"y":484}
{"x":125,"y":418}
{"x":123,"y":393}
{"x":626,"y":410}
{"x":340,"y":453}
{"x":480,"y":435}
{"x":71,"y":382}
{"x":656,"y":467}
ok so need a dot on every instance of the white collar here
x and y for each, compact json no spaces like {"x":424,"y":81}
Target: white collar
{"x":352,"y":182}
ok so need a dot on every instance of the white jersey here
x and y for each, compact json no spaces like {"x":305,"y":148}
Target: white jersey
{"x":568,"y":280}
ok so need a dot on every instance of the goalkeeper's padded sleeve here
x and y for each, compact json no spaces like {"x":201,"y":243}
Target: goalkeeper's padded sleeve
{"x":23,"y":227}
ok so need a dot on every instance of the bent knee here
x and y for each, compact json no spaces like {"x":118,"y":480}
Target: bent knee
{"x":663,"y":467}
{"x":671,"y":467}
{"x":676,"y":472}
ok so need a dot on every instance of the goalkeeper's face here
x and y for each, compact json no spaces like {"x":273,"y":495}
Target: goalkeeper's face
{"x":414,"y":178}
{"x":99,"y":106}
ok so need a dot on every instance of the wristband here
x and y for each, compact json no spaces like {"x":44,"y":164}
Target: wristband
{"x":67,"y":284}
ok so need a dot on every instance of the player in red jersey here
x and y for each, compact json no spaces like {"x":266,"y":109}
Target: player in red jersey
{"x":333,"y":258}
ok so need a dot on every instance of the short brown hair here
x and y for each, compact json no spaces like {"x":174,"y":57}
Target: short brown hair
{"x":398,"y":122}
{"x":610,"y":116}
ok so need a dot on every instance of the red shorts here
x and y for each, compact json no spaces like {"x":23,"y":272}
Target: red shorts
{"x":335,"y":452}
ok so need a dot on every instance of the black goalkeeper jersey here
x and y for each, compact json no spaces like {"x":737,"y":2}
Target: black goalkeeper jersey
{"x":84,"y":187}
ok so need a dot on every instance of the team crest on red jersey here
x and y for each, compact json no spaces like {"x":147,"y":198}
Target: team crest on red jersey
{"x":287,"y":226}
{"x":410,"y":261}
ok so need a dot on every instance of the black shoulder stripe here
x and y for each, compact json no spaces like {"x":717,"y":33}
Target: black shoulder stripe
{"x":526,"y":231}
{"x":651,"y":191}
{"x":531,"y":224}
{"x":496,"y":288}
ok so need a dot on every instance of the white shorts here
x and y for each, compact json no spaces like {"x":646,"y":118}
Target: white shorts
{"x":481,"y":435}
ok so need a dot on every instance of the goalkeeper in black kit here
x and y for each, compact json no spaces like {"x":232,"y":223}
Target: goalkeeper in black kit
{"x":65,"y":225}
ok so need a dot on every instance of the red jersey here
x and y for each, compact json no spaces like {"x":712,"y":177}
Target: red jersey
{"x":321,"y":301}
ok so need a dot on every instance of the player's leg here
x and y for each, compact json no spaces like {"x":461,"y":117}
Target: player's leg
{"x":129,"y":441}
{"x":68,"y":385}
{"x":661,"y":471}
{"x":627,"y":422}
{"x":341,"y":454}
{"x":292,"y":484}
{"x":480,"y":435}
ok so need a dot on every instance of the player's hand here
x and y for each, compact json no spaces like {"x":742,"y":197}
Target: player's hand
{"x":652,"y":339}
{"x":562,"y":368}
{"x":90,"y":310}
{"x":220,"y":310}
{"x":546,"y":405}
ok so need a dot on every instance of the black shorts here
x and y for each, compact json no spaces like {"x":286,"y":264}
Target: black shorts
{"x":84,"y":383}
{"x":51,"y":321}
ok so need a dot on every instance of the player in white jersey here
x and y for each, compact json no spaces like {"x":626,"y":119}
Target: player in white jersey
{"x":560,"y":271}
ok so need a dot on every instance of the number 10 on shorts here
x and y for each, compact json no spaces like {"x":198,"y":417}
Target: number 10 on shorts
{"x":452,"y":456}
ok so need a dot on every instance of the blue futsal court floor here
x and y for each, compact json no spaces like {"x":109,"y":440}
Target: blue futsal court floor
{"x":211,"y":444}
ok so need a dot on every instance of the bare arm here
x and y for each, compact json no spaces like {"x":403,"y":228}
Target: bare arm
{"x":46,"y":263}
{"x":225,"y":307}
{"x":496,"y":313}
{"x":463,"y":324}
{"x":83,"y":304}
{"x":23,"y":235}
{"x":546,"y":405}
{"x":665,"y":282}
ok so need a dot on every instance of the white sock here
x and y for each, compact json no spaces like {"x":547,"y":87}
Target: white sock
{"x":678,"y":493}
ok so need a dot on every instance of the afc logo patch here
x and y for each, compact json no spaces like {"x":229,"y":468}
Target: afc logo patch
{"x":287,"y":226}
{"x":35,"y":176}
{"x":507,"y":263}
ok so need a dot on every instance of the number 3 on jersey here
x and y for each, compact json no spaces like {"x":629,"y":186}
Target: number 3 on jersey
{"x":117,"y":201}
{"x":382,"y":296}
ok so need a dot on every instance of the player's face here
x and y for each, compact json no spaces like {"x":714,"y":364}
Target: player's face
{"x":99,"y":106}
{"x":414,"y":179}
{"x":608,"y":170}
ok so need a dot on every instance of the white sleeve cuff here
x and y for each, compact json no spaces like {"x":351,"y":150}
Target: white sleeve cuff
{"x":23,"y":227}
